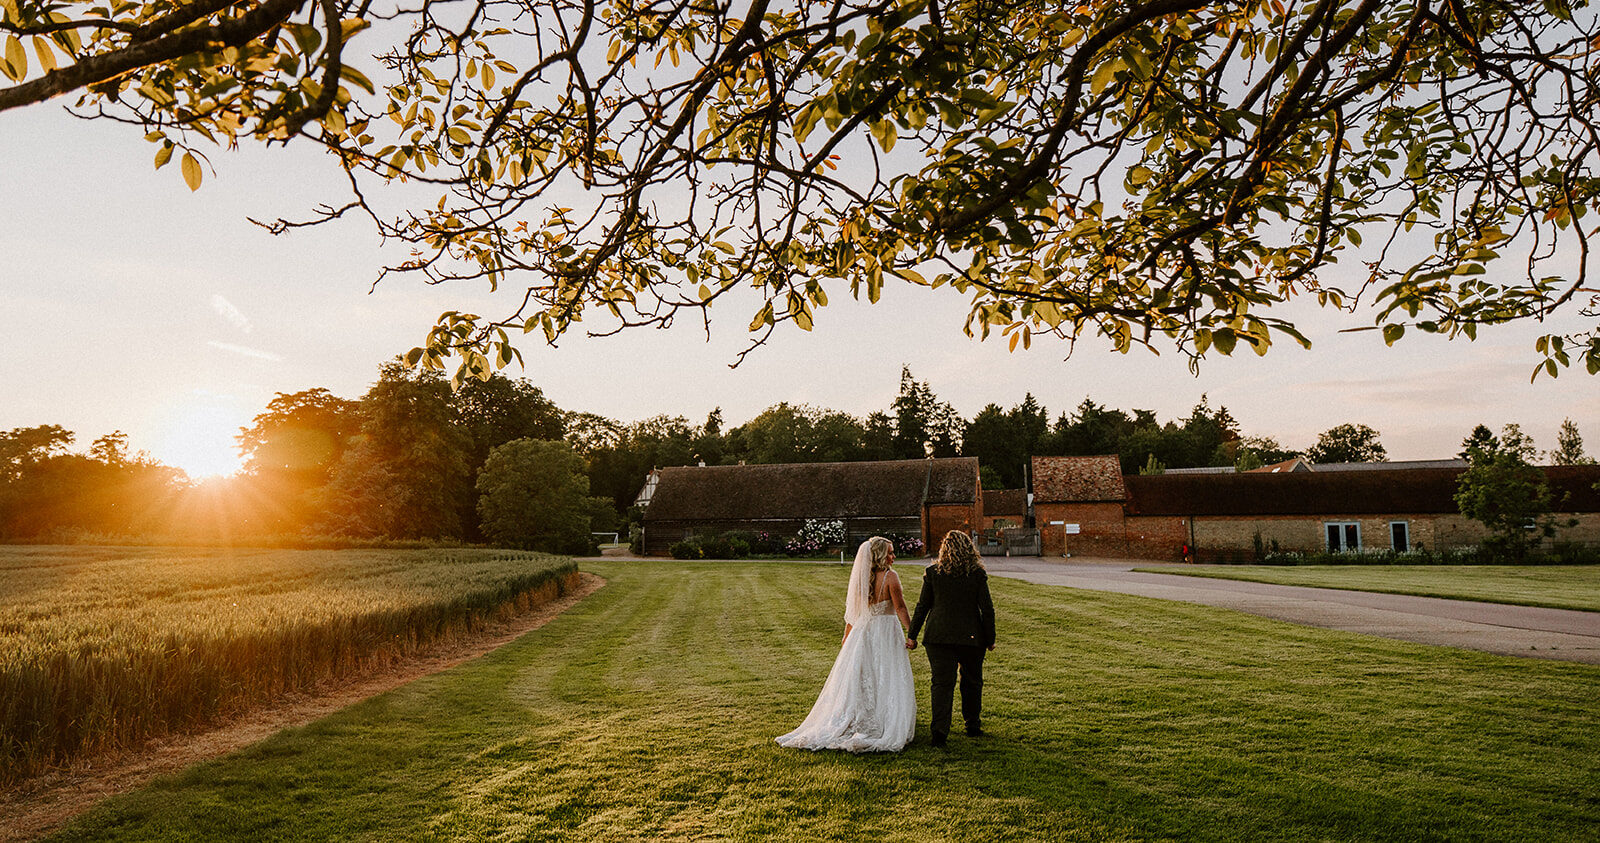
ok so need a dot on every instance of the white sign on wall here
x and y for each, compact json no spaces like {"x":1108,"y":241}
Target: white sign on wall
{"x":1071,"y":529}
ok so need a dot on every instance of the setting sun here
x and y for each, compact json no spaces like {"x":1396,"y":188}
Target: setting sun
{"x":200,"y":440}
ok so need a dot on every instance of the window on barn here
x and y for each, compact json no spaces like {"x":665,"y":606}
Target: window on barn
{"x":1399,"y":536}
{"x":1343,"y":536}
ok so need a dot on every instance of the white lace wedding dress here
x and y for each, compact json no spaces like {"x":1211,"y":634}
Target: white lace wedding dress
{"x":868,"y":703}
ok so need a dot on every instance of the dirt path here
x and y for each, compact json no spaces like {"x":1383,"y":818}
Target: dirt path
{"x":41,"y":805}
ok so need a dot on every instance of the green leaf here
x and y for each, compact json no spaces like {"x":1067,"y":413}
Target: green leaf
{"x":1391,"y":333}
{"x":1104,"y":75}
{"x":1224,"y":340}
{"x":191,"y":171}
{"x":885,"y":133}
{"x":356,"y":78}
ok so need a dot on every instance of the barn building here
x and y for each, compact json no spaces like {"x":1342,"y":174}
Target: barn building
{"x":1085,"y":506}
{"x":924,"y":498}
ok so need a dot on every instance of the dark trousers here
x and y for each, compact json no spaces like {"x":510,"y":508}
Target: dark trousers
{"x":944,"y":660}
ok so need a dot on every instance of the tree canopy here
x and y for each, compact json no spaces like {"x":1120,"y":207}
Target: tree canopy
{"x":1156,"y":172}
{"x":1348,"y":443}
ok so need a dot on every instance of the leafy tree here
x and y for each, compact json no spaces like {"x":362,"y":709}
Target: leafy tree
{"x":710,"y":444}
{"x":408,"y":468}
{"x":877,"y":440}
{"x":111,"y":449}
{"x":1569,"y":446}
{"x":617,"y":471}
{"x":786,"y":433}
{"x":1266,"y":449}
{"x":1142,"y":169}
{"x":1514,"y":441}
{"x":590,"y":432}
{"x":1152,"y":466}
{"x":44,"y":488}
{"x":300,"y":433}
{"x":1348,"y":443}
{"x":1480,"y":439}
{"x":837,"y":437}
{"x":1092,"y":429}
{"x":923,"y":425}
{"x":290,"y":451}
{"x":24,"y":447}
{"x":535,"y":494}
{"x":1006,"y":440}
{"x":497,"y":410}
{"x":990,"y":438}
{"x":989,"y":479}
{"x":1214,"y":434}
{"x":1508,"y":496}
{"x":1247,"y":460}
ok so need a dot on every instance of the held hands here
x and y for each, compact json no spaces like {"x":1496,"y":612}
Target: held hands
{"x":911,"y":644}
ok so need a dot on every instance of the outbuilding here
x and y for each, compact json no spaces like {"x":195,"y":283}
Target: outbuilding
{"x":923,"y":498}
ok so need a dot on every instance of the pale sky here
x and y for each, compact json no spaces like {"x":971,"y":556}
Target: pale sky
{"x":133,"y":304}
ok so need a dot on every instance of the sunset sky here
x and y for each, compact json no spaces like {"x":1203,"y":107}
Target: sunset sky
{"x":133,"y":304}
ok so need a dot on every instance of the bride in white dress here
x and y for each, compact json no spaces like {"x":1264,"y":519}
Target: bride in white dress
{"x":868,"y":703}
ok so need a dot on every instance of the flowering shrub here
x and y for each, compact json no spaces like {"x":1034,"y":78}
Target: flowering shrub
{"x":802,"y":547}
{"x":906,"y":545}
{"x":766,"y":543}
{"x":816,"y":536}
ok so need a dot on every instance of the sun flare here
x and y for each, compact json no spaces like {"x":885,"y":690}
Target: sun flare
{"x":199,"y":439}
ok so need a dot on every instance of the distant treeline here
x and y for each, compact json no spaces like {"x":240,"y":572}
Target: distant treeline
{"x":404,"y":461}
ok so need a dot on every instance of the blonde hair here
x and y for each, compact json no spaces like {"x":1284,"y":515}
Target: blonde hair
{"x":957,"y":555}
{"x":880,"y":548}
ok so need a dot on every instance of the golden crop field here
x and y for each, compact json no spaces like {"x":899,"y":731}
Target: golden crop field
{"x":102,"y":647}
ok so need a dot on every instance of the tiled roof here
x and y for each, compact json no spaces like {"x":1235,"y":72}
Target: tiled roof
{"x":1077,"y":479}
{"x":1406,"y":490}
{"x":1285,"y":467}
{"x":812,"y":490}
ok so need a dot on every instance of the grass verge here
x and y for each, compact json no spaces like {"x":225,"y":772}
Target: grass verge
{"x":648,"y":711}
{"x":1551,"y":586}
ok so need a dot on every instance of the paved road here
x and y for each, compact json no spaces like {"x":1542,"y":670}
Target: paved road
{"x":1561,"y":634}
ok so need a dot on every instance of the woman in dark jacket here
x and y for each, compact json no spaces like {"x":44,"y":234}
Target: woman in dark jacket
{"x":955,"y":604}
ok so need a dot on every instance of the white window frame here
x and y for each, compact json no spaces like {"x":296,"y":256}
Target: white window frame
{"x":1407,"y":526}
{"x":1343,"y":532}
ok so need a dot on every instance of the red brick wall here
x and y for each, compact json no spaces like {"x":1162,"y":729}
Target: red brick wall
{"x":1102,"y":531}
{"x":942,"y":518}
{"x":1159,"y":537}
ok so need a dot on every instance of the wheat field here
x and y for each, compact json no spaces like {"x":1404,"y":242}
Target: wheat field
{"x":104,"y":647}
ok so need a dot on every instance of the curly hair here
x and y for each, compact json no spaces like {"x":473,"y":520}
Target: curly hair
{"x":957,"y":555}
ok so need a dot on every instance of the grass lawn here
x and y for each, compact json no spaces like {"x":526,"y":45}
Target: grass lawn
{"x":1555,"y":586}
{"x":648,"y":711}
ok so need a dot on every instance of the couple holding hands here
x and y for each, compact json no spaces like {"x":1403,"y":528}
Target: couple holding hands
{"x":868,"y":703}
